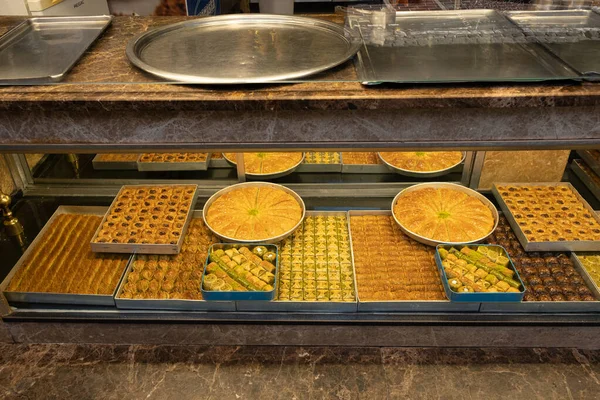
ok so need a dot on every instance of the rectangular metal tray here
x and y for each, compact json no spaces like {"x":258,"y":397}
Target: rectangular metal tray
{"x":459,"y":46}
{"x":314,"y":167}
{"x":57,"y":298}
{"x":219,"y":163}
{"x":99,"y":164}
{"x":551,"y":306}
{"x":44,"y":49}
{"x":546,"y":246}
{"x":590,"y":160}
{"x":571,"y":35}
{"x":260,"y":297}
{"x":143,"y":248}
{"x":305,"y":306}
{"x":403,"y":305}
{"x":170,"y":304}
{"x":585,"y":178}
{"x":479,"y":297}
{"x":364,"y":168}
{"x":173,"y":166}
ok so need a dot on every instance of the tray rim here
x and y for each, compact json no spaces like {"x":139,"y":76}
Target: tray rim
{"x":274,"y":175}
{"x":427,"y":174}
{"x":585,"y":178}
{"x":566,"y":246}
{"x":113,"y":165}
{"x":460,"y":188}
{"x":141,"y":39}
{"x":152,"y":166}
{"x":230,"y":188}
{"x":59,"y":298}
{"x":144,"y":248}
{"x":589,"y":160}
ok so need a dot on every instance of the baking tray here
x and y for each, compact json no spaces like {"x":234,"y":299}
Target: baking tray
{"x":172,"y":166}
{"x":267,"y":176}
{"x":219,"y":163}
{"x":403,"y":305}
{"x":479,"y":297}
{"x":57,"y":298}
{"x":424,"y":175}
{"x":44,"y":49}
{"x":138,"y":247}
{"x":588,"y":245}
{"x":317,"y":167}
{"x":170,"y":304}
{"x":100,"y":164}
{"x":274,"y":240}
{"x":258,"y":296}
{"x":572,"y":35}
{"x":305,"y":306}
{"x":363,"y":168}
{"x":453,"y":46}
{"x":551,"y":306}
{"x":587,"y":180}
{"x":453,"y":186}
{"x":590,"y":160}
{"x":242,"y":48}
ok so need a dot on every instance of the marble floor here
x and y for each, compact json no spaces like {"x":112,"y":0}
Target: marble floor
{"x":69,"y":371}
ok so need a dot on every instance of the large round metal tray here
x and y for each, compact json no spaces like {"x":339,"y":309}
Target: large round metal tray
{"x":438,"y":185}
{"x":272,"y":240}
{"x":268,"y":176}
{"x":427,"y":174}
{"x":241,"y":48}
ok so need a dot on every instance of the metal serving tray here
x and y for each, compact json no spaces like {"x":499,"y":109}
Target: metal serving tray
{"x":305,"y":306}
{"x":551,"y":306}
{"x":100,"y":164}
{"x":582,"y":245}
{"x":587,"y":180}
{"x":172,"y":166}
{"x":424,"y":175}
{"x":241,"y":48}
{"x":453,"y":46}
{"x":57,"y":298}
{"x":479,"y":297}
{"x":590,"y":160}
{"x":323,"y":168}
{"x":219,"y":163}
{"x":170,"y":304}
{"x":403,"y":305}
{"x":280,"y":174}
{"x":572,"y":35}
{"x":259,"y":296}
{"x":43,"y":50}
{"x":363,"y":168}
{"x":138,"y":247}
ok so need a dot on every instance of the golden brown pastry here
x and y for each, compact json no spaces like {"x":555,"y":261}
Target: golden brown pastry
{"x":173,"y":157}
{"x":422,"y":161}
{"x":117,"y":157}
{"x":267,"y":163}
{"x":358,"y":158}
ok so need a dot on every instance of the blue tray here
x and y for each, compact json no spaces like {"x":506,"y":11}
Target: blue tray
{"x":478,"y":297}
{"x":210,"y":295}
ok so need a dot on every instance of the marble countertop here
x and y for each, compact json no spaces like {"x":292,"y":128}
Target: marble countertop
{"x":104,"y":74}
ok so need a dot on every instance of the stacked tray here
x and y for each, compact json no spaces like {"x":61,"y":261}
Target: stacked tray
{"x":60,"y":254}
{"x":173,"y":161}
{"x":315,"y":270}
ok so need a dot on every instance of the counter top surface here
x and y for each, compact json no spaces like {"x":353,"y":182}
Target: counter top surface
{"x":104,"y":74}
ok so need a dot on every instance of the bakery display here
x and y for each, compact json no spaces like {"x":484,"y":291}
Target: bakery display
{"x":315,"y":263}
{"x":422,"y":162}
{"x":547,"y":276}
{"x":173,"y":158}
{"x":61,"y":261}
{"x":146,"y":215}
{"x":549,"y":213}
{"x":481,"y":269}
{"x":250,"y":212}
{"x":170,"y":277}
{"x":444,"y":213}
{"x":322,"y":157}
{"x":240,"y":269}
{"x":591,"y":263}
{"x":265,"y":165}
{"x":389,"y":265}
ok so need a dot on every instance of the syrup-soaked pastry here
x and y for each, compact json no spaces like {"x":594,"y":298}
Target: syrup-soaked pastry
{"x":173,"y":157}
{"x":422,"y":161}
{"x":318,"y":157}
{"x":267,"y":163}
{"x":62,"y":261}
{"x":360,"y":158}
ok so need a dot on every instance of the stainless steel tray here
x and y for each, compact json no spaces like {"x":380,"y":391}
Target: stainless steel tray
{"x":424,"y":175}
{"x":403,"y":305}
{"x":551,"y":306}
{"x":170,"y":304}
{"x":304,"y":306}
{"x":138,"y":247}
{"x":585,"y":178}
{"x":453,"y":46}
{"x":546,"y":246}
{"x":172,"y":166}
{"x":43,"y":50}
{"x":590,"y":160}
{"x":363,"y":168}
{"x":260,"y":177}
{"x":219,"y":163}
{"x":317,"y":167}
{"x":57,"y":298}
{"x":241,"y":48}
{"x":572,"y":35}
{"x":100,"y":164}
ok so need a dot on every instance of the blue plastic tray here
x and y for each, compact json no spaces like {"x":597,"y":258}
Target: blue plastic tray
{"x":234,"y":296}
{"x":478,"y":297}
